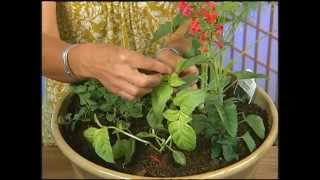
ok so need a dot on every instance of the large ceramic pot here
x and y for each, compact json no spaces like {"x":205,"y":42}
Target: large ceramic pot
{"x":244,"y":168}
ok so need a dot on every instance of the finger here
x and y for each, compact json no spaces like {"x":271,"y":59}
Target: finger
{"x":115,"y":90}
{"x":143,"y":80}
{"x":150,"y":64}
{"x":138,"y":79}
{"x":126,"y":95}
{"x":108,"y":84}
{"x":168,"y":57}
{"x":192,"y":70}
{"x":129,"y":88}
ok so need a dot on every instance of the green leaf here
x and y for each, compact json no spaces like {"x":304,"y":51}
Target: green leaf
{"x":117,"y":149}
{"x":171,"y":115}
{"x":79,"y":89}
{"x":216,"y":151}
{"x":229,"y":153}
{"x":231,"y":124}
{"x":213,"y":115}
{"x":160,"y":95}
{"x":256,"y":123}
{"x":248,"y":75}
{"x":227,"y":114}
{"x":189,"y":53}
{"x":101,"y":143}
{"x":199,"y":122}
{"x":179,"y":157}
{"x":153,"y":121}
{"x":175,"y":115}
{"x":130,"y":150}
{"x":249,"y":141}
{"x":124,"y":148}
{"x":144,"y":135}
{"x":228,"y":140}
{"x":175,"y":80}
{"x":131,"y":109}
{"x":89,"y":134}
{"x":183,"y":135}
{"x":189,"y":99}
{"x":178,"y":20}
{"x":210,"y":131}
{"x":185,"y":63}
{"x":111,"y":117}
{"x":163,"y":30}
{"x":124,"y":125}
{"x":190,"y":79}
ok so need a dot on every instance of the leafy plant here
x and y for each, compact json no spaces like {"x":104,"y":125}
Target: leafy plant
{"x":175,"y":112}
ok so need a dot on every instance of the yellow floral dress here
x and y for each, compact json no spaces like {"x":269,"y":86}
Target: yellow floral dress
{"x":127,"y":24}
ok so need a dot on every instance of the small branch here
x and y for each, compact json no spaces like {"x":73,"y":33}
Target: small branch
{"x":225,"y":89}
{"x":244,"y":118}
{"x":169,"y":148}
{"x":165,"y":143}
{"x":96,"y":120}
{"x":134,"y":137}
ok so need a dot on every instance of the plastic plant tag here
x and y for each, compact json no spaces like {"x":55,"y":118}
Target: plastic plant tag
{"x":246,"y":89}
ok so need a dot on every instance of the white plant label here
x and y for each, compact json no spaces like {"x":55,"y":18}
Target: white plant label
{"x":248,"y":85}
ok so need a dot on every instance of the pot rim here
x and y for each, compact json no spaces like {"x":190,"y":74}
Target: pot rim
{"x":234,"y":168}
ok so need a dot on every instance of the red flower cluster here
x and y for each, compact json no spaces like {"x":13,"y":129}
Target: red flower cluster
{"x":209,"y":14}
{"x":211,"y":17}
{"x":212,"y":5}
{"x":194,"y":26}
{"x":185,"y":8}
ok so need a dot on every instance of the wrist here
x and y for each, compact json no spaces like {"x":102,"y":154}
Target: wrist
{"x":78,"y":60}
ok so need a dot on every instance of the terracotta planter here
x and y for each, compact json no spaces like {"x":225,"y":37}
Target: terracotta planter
{"x":240,"y":170}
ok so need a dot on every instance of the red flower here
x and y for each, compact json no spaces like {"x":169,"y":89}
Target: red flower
{"x":185,"y":8}
{"x":219,"y":44}
{"x":202,"y":37}
{"x":211,"y":17}
{"x":203,"y":9}
{"x":194,"y":26}
{"x":212,"y":5}
{"x":182,"y":5}
{"x":204,"y":49}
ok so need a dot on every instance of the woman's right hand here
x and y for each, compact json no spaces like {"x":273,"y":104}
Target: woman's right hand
{"x":117,"y":68}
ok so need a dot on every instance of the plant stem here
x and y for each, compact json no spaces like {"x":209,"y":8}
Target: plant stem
{"x":225,"y":89}
{"x":169,"y":148}
{"x":96,"y":120}
{"x":134,"y":137}
{"x":244,"y":117}
{"x":165,"y":143}
{"x":118,"y":136}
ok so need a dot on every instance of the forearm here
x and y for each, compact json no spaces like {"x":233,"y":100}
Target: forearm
{"x":52,"y":64}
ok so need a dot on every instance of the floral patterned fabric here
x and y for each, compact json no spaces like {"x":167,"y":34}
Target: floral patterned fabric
{"x":126,"y":24}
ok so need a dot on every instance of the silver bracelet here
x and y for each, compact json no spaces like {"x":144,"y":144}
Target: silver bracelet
{"x":171,"y":49}
{"x":65,"y":59}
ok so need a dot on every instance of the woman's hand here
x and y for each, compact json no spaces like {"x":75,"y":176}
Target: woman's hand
{"x":180,"y":42}
{"x":117,"y":69}
{"x":170,"y":58}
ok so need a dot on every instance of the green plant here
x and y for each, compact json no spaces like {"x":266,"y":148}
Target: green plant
{"x":175,"y":112}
